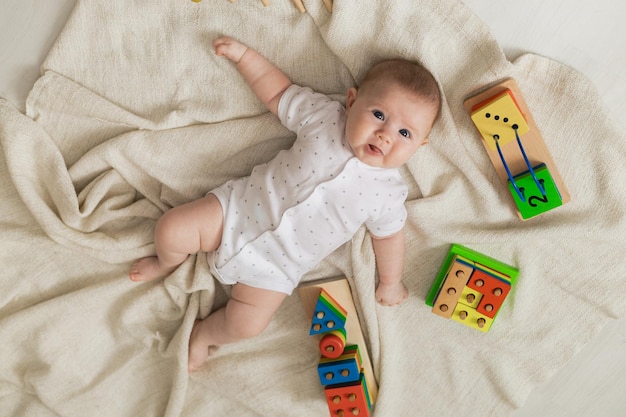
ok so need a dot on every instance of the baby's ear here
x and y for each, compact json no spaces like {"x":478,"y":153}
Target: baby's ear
{"x":351,"y":97}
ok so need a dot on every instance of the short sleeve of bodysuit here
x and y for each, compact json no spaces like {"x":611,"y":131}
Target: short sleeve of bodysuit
{"x":299,"y":107}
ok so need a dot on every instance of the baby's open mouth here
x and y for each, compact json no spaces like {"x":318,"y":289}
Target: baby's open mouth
{"x":375,"y":149}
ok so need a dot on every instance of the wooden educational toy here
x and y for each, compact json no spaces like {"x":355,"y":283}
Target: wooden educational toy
{"x":348,"y":399}
{"x":333,"y":343}
{"x":344,"y":368}
{"x":516,"y":149}
{"x":329,"y":315}
{"x":470,"y":288}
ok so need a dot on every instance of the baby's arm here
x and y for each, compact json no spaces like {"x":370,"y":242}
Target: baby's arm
{"x":263,"y":77}
{"x":389,"y":252}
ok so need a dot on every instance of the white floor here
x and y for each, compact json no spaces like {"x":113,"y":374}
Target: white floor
{"x":28,"y":28}
{"x":589,"y":36}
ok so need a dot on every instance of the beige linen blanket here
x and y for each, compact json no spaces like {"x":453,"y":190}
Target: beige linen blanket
{"x":135,"y":114}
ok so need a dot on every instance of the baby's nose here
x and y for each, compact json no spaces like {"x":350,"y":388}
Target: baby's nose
{"x":384,"y":135}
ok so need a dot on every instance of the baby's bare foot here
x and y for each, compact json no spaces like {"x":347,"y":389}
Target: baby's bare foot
{"x":199,"y":351}
{"x":147,"y":269}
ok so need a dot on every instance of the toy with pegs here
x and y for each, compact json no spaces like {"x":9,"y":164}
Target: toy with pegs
{"x":348,"y":399}
{"x":333,"y":343}
{"x":329,"y":314}
{"x":516,"y":149}
{"x":470,"y":288}
{"x":298,"y":3}
{"x":344,"y":368}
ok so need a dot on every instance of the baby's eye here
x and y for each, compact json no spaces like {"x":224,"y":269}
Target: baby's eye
{"x":405,"y":133}
{"x":378,"y":114}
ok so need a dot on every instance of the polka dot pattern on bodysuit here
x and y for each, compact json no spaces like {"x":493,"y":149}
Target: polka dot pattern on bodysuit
{"x":292,"y":212}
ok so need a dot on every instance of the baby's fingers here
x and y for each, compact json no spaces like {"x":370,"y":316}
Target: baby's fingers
{"x":222,"y":40}
{"x":229,"y":48}
{"x":220,"y":44}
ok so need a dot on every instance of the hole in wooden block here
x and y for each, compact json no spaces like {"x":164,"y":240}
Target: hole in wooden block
{"x":495,"y":116}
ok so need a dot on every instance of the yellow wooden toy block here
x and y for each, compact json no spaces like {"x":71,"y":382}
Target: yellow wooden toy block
{"x":497,"y":118}
{"x":472,"y":318}
{"x":470,"y":297}
{"x":493,"y":272}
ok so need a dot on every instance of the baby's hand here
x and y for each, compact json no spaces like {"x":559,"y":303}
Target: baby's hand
{"x":230,"y":48}
{"x":391,"y":294}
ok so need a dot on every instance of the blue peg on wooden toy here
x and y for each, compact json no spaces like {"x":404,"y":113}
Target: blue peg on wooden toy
{"x":539,"y":192}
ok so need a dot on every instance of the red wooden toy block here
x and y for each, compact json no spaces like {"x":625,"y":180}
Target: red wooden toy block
{"x":493,"y":289}
{"x":348,"y":399}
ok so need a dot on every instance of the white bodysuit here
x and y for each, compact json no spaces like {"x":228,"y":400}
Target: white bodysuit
{"x":293,"y":211}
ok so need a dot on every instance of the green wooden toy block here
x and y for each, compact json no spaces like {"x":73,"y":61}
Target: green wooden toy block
{"x":469,"y":256}
{"x":536,"y":203}
{"x":490,"y":282}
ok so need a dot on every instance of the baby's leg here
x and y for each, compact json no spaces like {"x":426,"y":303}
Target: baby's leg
{"x":180,"y":232}
{"x":246,"y":314}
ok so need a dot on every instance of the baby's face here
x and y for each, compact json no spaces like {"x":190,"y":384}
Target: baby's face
{"x":386,"y":124}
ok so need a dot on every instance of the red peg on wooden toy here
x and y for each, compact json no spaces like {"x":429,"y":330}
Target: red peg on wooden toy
{"x":333,"y":344}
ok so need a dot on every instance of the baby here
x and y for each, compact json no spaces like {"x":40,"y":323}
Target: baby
{"x":263,"y":232}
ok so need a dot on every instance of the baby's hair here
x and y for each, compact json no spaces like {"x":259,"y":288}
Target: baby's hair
{"x":409,"y":75}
